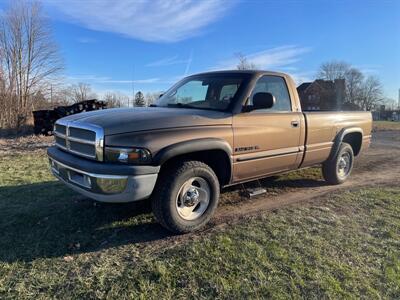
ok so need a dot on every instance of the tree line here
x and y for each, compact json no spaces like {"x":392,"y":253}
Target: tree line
{"x":362,"y":91}
{"x":31,"y":69}
{"x":29,"y":61}
{"x":365,"y":92}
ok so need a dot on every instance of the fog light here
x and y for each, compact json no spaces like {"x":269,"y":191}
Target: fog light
{"x":112,"y":185}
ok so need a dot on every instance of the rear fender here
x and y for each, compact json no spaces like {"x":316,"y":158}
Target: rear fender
{"x":339,"y":139}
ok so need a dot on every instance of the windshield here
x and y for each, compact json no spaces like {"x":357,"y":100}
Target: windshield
{"x":214,"y":92}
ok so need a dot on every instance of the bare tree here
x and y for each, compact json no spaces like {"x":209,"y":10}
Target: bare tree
{"x":371,"y":93}
{"x":112,"y":100}
{"x":151,"y":97}
{"x":115,"y":99}
{"x":354,"y":82}
{"x":81,"y":92}
{"x":363,"y":92}
{"x":5,"y":108}
{"x":244,"y":63}
{"x":61,"y":95}
{"x":29,"y":58}
{"x":390,"y":104}
{"x":333,"y":70}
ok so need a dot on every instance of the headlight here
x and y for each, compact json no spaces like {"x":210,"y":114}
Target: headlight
{"x":127,"y":155}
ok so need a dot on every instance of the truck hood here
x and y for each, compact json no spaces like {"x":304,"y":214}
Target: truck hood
{"x":122,"y":120}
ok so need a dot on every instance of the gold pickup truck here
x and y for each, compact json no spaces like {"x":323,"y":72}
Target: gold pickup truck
{"x":208,"y":131}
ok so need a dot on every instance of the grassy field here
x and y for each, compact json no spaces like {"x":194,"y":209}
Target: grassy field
{"x":56,"y":244}
{"x":386,"y":125}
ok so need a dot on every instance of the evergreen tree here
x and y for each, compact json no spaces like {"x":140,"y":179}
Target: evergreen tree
{"x":139,"y":99}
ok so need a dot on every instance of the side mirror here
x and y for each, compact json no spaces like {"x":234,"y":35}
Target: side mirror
{"x":162,"y":94}
{"x":263,"y":101}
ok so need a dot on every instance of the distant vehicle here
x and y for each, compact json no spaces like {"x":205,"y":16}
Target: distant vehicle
{"x":44,"y":119}
{"x":209,"y":131}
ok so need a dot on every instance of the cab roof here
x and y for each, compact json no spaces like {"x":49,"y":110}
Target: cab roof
{"x":250,"y":72}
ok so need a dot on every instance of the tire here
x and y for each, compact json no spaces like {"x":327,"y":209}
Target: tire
{"x":338,"y":169}
{"x":185,"y":196}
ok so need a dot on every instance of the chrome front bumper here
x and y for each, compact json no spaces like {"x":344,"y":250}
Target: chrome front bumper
{"x":103,"y":187}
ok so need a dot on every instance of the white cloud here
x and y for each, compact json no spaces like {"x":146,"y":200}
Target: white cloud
{"x":86,"y":40}
{"x":300,"y":77}
{"x":273,"y":58}
{"x":86,"y":78}
{"x":168,"y":61}
{"x":148,"y":80}
{"x":102,"y":79}
{"x":369,"y":69}
{"x":173,"y":60}
{"x":148,"y":20}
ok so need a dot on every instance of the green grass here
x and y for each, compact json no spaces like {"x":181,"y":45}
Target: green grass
{"x":56,"y":244}
{"x":386,"y":125}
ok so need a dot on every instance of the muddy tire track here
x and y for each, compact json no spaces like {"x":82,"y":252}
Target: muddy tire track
{"x":379,"y":166}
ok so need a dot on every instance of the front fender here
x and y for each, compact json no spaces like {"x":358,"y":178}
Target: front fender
{"x":192,"y":146}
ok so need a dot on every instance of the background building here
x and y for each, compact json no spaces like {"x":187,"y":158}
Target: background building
{"x":323,"y":95}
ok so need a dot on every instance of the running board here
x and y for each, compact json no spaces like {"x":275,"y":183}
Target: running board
{"x":253,"y":192}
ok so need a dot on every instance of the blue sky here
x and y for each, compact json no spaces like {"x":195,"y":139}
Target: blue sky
{"x":108,"y":43}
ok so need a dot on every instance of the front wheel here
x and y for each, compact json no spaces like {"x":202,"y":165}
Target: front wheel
{"x":186,"y":196}
{"x":338,"y":169}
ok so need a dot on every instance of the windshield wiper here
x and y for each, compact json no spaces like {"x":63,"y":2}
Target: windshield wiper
{"x":183,"y":105}
{"x":179,"y":104}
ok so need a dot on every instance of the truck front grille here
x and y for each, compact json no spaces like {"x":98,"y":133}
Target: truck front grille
{"x":82,"y":134}
{"x":80,"y":138}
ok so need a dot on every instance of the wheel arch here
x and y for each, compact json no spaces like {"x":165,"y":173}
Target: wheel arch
{"x":216,"y":153}
{"x":350,"y":135}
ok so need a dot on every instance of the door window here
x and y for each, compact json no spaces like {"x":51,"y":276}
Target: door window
{"x":277,"y":87}
{"x":228,"y":91}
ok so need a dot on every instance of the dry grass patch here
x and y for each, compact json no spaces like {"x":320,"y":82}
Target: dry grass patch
{"x":386,"y":125}
{"x":56,"y":244}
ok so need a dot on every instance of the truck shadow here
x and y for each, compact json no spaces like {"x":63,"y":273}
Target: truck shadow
{"x":45,"y":220}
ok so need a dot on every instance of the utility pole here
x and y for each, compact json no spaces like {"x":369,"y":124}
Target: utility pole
{"x":133,"y":87}
{"x":398,"y":103}
{"x":51,"y":93}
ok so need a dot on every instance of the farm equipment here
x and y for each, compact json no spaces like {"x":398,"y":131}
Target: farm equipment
{"x":44,"y":119}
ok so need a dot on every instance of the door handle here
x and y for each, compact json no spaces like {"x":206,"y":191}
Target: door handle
{"x":295,"y":123}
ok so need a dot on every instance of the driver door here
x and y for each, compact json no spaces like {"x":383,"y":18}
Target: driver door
{"x":267,"y":141}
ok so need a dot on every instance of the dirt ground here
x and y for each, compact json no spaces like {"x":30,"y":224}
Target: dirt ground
{"x":380,"y":164}
{"x":24,"y":144}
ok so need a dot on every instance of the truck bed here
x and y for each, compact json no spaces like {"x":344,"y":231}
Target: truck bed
{"x":323,"y":127}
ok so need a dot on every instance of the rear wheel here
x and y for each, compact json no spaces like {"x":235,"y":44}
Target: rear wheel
{"x":338,"y":169}
{"x":186,"y":196}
